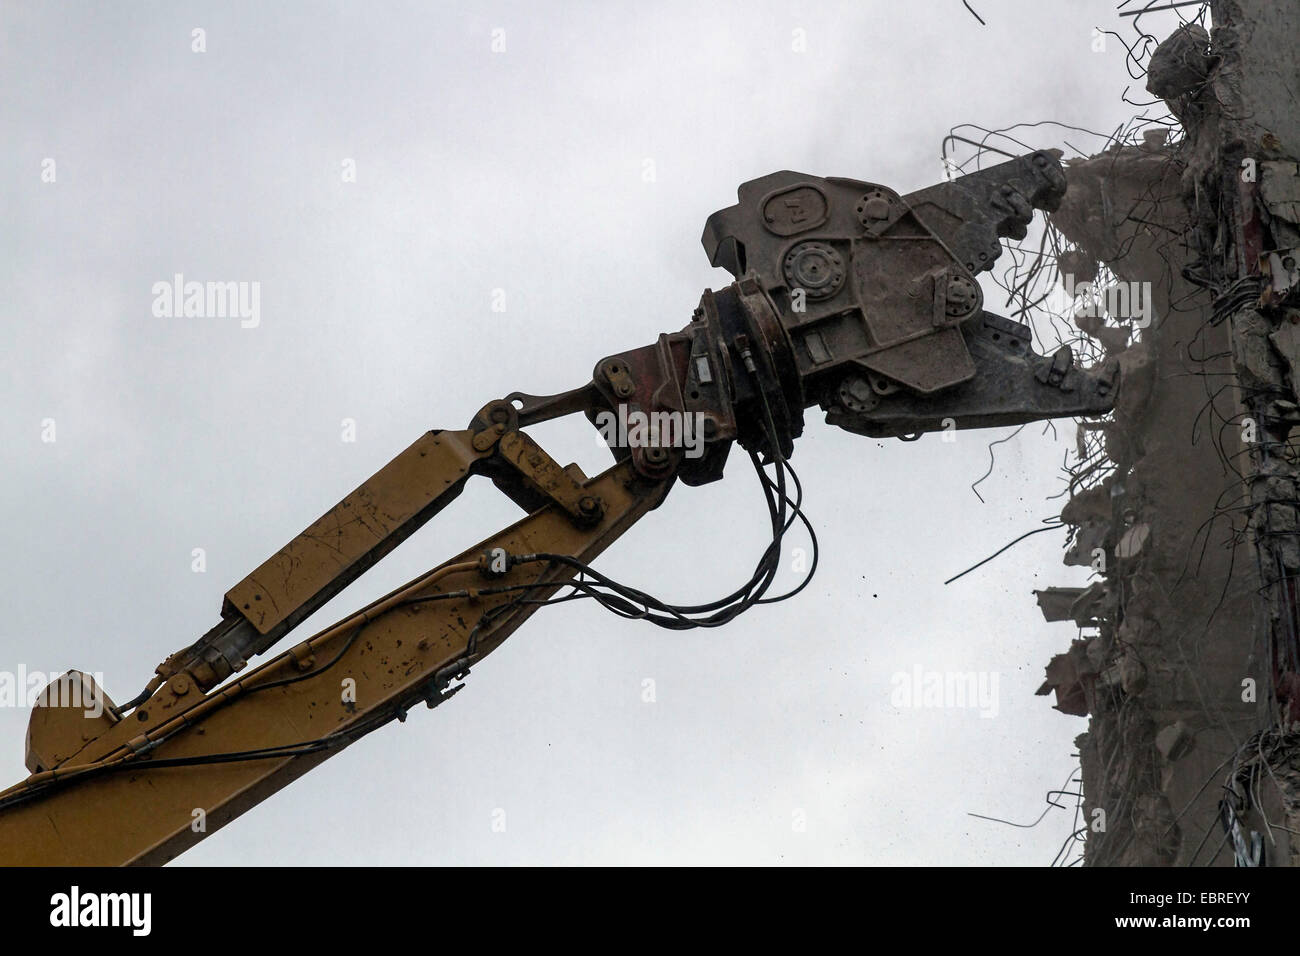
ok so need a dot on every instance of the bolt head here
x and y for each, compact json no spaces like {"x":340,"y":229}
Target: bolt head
{"x":877,"y":208}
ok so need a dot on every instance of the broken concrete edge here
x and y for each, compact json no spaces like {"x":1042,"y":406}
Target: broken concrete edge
{"x":1163,"y":720}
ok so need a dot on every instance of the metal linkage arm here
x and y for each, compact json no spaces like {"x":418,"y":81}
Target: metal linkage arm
{"x":186,"y":757}
{"x":363,"y":528}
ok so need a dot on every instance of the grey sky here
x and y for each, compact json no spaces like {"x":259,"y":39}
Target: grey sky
{"x":521,"y":170}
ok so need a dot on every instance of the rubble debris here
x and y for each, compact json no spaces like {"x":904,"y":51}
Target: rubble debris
{"x":1181,"y":64}
{"x":1070,"y":676}
{"x":1086,"y":607}
{"x":1131,"y":543}
{"x":1155,"y":606}
{"x":1056,"y":602}
{"x":1203,"y":481}
{"x":1175,"y":740}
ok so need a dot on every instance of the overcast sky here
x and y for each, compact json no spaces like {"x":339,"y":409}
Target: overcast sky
{"x":772,"y":740}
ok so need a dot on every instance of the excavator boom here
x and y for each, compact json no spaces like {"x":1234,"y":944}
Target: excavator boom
{"x":848,"y":296}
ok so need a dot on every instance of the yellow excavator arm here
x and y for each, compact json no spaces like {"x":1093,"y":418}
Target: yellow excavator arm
{"x":848,"y":296}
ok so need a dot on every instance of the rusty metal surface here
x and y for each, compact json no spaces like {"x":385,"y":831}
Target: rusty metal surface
{"x":877,"y":295}
{"x":850,"y":288}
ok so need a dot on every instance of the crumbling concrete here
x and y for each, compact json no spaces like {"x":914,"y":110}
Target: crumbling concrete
{"x":1167,"y":636}
{"x":1192,"y":678}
